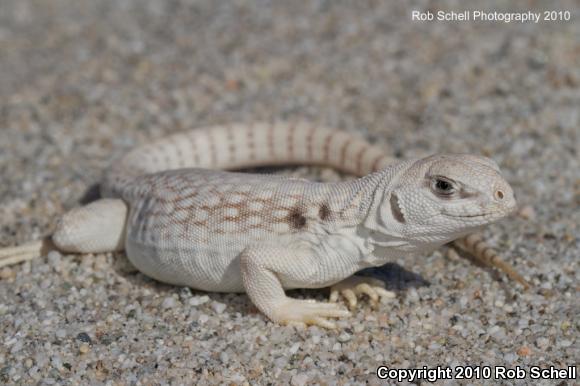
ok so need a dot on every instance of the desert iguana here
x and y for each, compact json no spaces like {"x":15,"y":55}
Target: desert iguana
{"x":182,"y":223}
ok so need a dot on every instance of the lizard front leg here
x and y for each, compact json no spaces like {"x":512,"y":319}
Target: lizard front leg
{"x":264,"y":268}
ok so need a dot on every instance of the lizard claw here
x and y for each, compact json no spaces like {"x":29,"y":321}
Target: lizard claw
{"x":299,"y":312}
{"x":355,"y":286}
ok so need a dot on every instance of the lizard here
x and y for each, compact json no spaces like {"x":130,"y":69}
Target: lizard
{"x":184,"y":216}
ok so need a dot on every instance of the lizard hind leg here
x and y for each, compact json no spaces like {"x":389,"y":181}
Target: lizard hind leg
{"x":97,"y":227}
{"x":24,"y":252}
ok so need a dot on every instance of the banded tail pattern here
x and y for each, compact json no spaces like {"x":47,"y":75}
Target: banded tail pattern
{"x":239,"y":146}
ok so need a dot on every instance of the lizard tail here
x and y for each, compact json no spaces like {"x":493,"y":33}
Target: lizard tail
{"x":24,"y":252}
{"x":478,"y":248}
{"x":239,"y":146}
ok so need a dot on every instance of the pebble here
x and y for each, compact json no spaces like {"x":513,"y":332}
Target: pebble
{"x":434,"y":346}
{"x":44,"y":284}
{"x":56,"y":362}
{"x":524,"y":351}
{"x":54,"y":258}
{"x":300,"y":380}
{"x":169,"y":302}
{"x":84,"y":348}
{"x":294,"y":349}
{"x":41,"y":359}
{"x":344,"y":337}
{"x":60,"y":334}
{"x":239,"y":379}
{"x":34,"y":373}
{"x":17,"y":347}
{"x":218,"y":307}
{"x":413,"y":295}
{"x":542,"y":342}
{"x":84,"y":337}
{"x":198,"y":300}
{"x":527,"y":212}
{"x":497,"y":332}
{"x":510,"y":358}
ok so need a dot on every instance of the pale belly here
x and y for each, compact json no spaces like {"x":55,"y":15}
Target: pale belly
{"x":215,"y":265}
{"x":192,"y":256}
{"x":200,"y":267}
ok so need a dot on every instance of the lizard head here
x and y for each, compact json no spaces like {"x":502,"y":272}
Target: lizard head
{"x":442,"y":197}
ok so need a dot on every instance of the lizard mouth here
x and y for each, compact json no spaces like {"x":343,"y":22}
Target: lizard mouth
{"x":485,"y":214}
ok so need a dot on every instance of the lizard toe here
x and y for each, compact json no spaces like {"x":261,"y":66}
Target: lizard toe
{"x":355,"y":286}
{"x":303,"y":312}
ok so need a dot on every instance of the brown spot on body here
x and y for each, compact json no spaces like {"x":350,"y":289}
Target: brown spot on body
{"x":296,"y":219}
{"x":324,"y":212}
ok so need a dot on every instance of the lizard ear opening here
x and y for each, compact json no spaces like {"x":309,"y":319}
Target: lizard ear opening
{"x":396,"y":209}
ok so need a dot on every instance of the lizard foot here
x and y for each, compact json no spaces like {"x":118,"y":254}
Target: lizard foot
{"x":28,"y":251}
{"x":308,"y":312}
{"x":354,"y":286}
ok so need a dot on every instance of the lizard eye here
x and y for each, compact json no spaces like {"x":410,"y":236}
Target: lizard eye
{"x":442,"y":186}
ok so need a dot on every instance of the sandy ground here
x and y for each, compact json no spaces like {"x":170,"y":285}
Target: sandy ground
{"x":83,"y":81}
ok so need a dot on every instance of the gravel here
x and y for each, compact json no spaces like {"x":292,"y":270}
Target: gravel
{"x":83,"y":81}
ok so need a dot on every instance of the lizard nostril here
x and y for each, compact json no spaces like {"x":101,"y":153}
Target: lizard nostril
{"x":499,"y":195}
